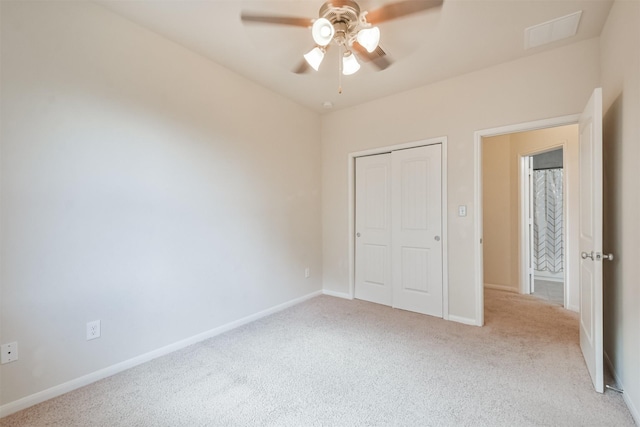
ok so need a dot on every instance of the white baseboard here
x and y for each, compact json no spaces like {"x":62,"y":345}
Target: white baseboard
{"x":635,"y":413}
{"x":503,"y":288}
{"x":541,"y":275}
{"x":629,"y":401}
{"x":573,"y":308}
{"x":336,"y":294}
{"x":76,"y":383}
{"x":463,"y":320}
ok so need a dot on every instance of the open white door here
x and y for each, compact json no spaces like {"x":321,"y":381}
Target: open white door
{"x":528,"y":284}
{"x":590,"y":129}
{"x":373,"y":229}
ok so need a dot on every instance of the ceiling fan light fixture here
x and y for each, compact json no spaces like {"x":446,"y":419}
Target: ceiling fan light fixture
{"x":349,"y":64}
{"x":314,"y":57}
{"x":322,"y":31}
{"x":369,"y":38}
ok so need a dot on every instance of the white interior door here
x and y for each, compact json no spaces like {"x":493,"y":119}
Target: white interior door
{"x":417,"y":229}
{"x":590,"y":129}
{"x":373,"y":229}
{"x":527,"y":223}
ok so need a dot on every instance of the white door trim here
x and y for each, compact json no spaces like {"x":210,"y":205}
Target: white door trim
{"x":477,"y":210}
{"x":352,"y":203}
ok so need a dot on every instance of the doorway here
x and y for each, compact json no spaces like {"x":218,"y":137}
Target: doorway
{"x":584,"y":252}
{"x":546,"y":235}
{"x":529,"y":218}
{"x":531,"y":138}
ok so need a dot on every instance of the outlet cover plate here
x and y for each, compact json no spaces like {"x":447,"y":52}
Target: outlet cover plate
{"x":93,"y":330}
{"x":8,"y":352}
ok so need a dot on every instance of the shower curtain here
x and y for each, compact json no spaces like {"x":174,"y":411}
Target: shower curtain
{"x":548,"y":245}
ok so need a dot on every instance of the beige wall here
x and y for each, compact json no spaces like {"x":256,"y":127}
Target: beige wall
{"x":550,"y":84}
{"x":620,"y":62}
{"x":499,"y":257}
{"x":141,"y":185}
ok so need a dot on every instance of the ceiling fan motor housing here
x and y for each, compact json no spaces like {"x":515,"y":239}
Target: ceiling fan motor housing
{"x":344,"y":15}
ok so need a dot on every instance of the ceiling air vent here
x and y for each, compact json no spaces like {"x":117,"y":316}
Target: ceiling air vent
{"x":551,"y":31}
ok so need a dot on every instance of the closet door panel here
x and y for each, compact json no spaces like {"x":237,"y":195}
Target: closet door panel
{"x":416,"y":230}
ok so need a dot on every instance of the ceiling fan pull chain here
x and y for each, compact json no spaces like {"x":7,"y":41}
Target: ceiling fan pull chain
{"x":340,"y":55}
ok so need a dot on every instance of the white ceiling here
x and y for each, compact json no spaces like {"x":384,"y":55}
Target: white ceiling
{"x":460,"y":37}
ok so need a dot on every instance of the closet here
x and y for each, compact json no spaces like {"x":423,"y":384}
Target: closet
{"x":398,"y":225}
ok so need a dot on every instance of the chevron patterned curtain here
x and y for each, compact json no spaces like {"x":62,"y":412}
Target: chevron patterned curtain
{"x":548,"y":226}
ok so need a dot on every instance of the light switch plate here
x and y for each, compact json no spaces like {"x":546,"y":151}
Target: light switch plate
{"x":462,"y":210}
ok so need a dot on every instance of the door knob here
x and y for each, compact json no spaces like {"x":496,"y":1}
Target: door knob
{"x":608,"y":257}
{"x":437,"y":238}
{"x":357,"y":234}
{"x":586,"y":255}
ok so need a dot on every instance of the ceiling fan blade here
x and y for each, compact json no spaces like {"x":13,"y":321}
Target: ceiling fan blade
{"x":277,"y":20}
{"x":378,"y":57}
{"x":400,"y":9}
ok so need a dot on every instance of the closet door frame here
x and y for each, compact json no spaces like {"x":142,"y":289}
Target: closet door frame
{"x":352,"y":204}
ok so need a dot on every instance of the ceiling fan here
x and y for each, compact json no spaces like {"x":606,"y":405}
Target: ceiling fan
{"x":344,"y":24}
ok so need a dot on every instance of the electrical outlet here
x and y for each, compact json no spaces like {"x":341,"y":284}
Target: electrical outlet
{"x":9,"y":352}
{"x":307,"y":272}
{"x":93,"y":330}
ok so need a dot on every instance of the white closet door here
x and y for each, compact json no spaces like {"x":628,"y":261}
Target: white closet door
{"x":373,"y":229}
{"x":417,"y":229}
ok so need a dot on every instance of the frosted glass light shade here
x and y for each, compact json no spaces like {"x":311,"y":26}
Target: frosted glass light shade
{"x":369,"y":38}
{"x":322,"y":31}
{"x":314,"y":57}
{"x":349,"y":64}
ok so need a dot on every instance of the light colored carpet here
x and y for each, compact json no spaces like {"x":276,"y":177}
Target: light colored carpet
{"x":333,"y":362}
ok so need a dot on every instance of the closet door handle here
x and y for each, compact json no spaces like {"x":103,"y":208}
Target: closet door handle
{"x":437,"y":238}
